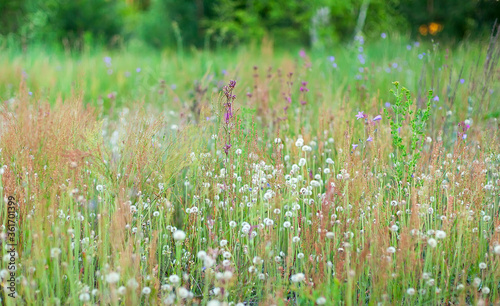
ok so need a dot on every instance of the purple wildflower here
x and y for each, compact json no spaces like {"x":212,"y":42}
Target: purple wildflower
{"x":387,"y":104}
{"x":354,"y":146}
{"x":302,"y":53}
{"x":383,"y":35}
{"x":332,"y":59}
{"x":436,"y":98}
{"x":369,"y":138}
{"x":377,"y":118}
{"x":462,"y":81}
{"x":360,"y":115}
{"x":138,"y":69}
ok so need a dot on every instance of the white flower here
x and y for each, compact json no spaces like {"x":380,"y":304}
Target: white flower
{"x":330,"y":161}
{"x":410,"y":291}
{"x":112,"y":277}
{"x":485,"y":290}
{"x":330,"y":235}
{"x":298,"y":277}
{"x":232,"y":224}
{"x":84,"y":297}
{"x":300,"y":255}
{"x":223,"y":243}
{"x":482,"y":265}
{"x":296,"y":239}
{"x":394,"y":228}
{"x":226,"y":255}
{"x":302,"y":162}
{"x":146,"y":290}
{"x":306,"y":149}
{"x":238,"y":151}
{"x":440,"y":234}
{"x":179,"y":235}
{"x":213,"y":303}
{"x":99,"y":188}
{"x":286,"y":224}
{"x":321,"y":301}
{"x":299,"y":143}
{"x":391,"y":250}
{"x":428,"y":139}
{"x":432,"y":242}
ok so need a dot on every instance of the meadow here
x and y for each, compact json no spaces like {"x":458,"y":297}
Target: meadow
{"x":367,"y":174}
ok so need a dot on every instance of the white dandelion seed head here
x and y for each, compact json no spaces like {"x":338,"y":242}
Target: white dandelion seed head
{"x":146,"y":290}
{"x":296,"y":278}
{"x":306,"y":149}
{"x":440,"y":234}
{"x":497,"y":249}
{"x":122,"y":290}
{"x":174,"y":279}
{"x":321,"y":301}
{"x":112,"y":277}
{"x":132,"y":283}
{"x":55,"y":252}
{"x":179,"y":235}
{"x":84,"y":297}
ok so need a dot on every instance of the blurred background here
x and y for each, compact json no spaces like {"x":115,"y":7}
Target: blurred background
{"x":78,"y":24}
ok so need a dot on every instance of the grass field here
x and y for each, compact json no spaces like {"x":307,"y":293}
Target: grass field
{"x":254,"y":176}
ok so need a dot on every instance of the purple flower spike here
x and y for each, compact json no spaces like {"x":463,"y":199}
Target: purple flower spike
{"x":377,"y":118}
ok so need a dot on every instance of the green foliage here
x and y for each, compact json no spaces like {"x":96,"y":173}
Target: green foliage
{"x":169,"y":23}
{"x":157,"y":23}
{"x":406,"y":159}
{"x":458,"y":21}
{"x":72,"y":21}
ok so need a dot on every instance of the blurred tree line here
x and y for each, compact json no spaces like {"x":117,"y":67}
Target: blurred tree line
{"x":208,"y":23}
